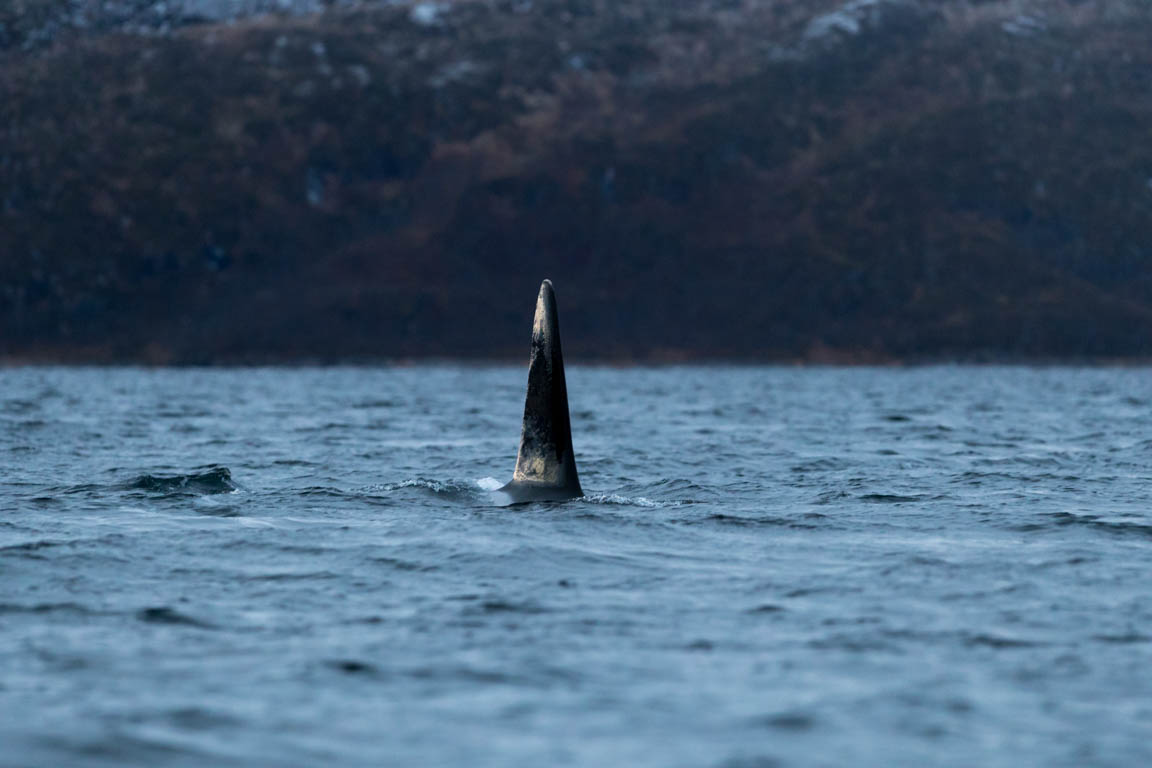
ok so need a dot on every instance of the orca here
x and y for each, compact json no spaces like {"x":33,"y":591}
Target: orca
{"x":545,"y":465}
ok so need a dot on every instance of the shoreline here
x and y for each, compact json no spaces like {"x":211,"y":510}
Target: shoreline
{"x":16,"y":362}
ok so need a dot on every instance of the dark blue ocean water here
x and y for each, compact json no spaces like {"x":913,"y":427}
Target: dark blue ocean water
{"x":940,"y":566}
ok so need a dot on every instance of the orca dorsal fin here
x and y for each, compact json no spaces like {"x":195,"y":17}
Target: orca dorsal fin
{"x":545,"y":464}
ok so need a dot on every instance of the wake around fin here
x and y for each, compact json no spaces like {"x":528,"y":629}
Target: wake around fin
{"x":545,"y":465}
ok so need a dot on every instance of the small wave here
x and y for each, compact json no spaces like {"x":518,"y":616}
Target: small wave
{"x":891,"y":498}
{"x":788,"y":721}
{"x":678,"y":486}
{"x":32,"y":549}
{"x":766,"y":608}
{"x":31,"y":424}
{"x":353,"y":667}
{"x":1055,"y":520}
{"x":292,"y":576}
{"x":403,"y":565}
{"x":83,"y":548}
{"x":854,"y":643}
{"x":165,"y":615}
{"x":616,"y":499}
{"x":498,"y":606}
{"x":1025,"y":460}
{"x":810,"y":591}
{"x":42,"y":608}
{"x":821,"y":465}
{"x":32,"y":546}
{"x":212,"y":479}
{"x":831,"y":497}
{"x":375,"y":403}
{"x":82,"y":488}
{"x":999,"y":641}
{"x":739,"y":520}
{"x":331,"y":425}
{"x":531,"y":676}
{"x":206,"y":505}
{"x":201,"y":719}
{"x":293,"y":549}
{"x":421,"y":483}
{"x":321,"y":490}
{"x":1125,"y":639}
{"x":464,"y":674}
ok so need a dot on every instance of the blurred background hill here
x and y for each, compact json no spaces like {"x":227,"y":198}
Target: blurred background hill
{"x":205,"y":181}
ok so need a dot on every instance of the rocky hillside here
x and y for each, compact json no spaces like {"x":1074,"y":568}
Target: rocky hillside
{"x":750,"y":179}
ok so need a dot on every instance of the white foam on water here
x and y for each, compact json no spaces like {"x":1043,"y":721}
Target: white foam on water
{"x":489,"y":484}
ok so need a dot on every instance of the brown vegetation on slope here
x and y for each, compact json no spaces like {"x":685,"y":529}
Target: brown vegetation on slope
{"x":715,"y":178}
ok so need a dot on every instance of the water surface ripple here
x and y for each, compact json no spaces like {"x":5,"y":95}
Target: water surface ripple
{"x":773,"y":567}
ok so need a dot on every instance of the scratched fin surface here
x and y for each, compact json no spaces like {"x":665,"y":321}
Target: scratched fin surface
{"x":546,"y":462}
